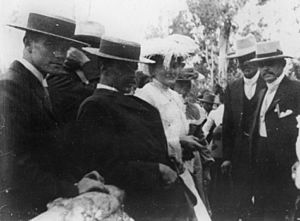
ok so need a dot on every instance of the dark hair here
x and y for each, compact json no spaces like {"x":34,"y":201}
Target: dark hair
{"x":109,"y":64}
{"x":159,"y":60}
{"x":32,"y":36}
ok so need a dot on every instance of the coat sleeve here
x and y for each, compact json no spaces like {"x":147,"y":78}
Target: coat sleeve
{"x":20,"y":162}
{"x":227,"y":129}
{"x":111,"y":156}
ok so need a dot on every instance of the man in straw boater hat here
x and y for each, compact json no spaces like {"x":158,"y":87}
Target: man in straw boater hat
{"x":125,"y":138}
{"x":169,"y":54}
{"x":32,"y":160}
{"x":82,"y":70}
{"x":240,"y":101}
{"x":273,"y":134}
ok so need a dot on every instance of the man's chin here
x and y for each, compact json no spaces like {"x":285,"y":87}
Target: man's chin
{"x":269,"y":78}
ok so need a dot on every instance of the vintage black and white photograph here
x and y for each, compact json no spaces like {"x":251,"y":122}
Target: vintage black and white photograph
{"x":149,"y":110}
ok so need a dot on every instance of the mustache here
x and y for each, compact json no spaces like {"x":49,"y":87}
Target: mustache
{"x":267,"y":72}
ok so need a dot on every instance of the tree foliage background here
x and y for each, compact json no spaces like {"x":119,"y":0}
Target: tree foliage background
{"x":216,"y":24}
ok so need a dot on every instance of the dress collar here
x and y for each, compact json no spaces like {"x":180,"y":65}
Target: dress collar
{"x":156,"y":83}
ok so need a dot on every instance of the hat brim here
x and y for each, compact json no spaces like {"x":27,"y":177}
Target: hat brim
{"x":206,"y":101}
{"x":238,"y":55}
{"x":256,"y":60}
{"x":95,"y":51}
{"x":49,"y":34}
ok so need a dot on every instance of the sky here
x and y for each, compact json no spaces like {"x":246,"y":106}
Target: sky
{"x":126,"y":19}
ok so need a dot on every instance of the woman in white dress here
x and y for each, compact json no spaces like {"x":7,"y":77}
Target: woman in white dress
{"x":172,"y":110}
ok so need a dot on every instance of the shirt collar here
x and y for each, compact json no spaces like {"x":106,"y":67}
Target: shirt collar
{"x":275,"y":83}
{"x":103,"y":86}
{"x":253,"y":80}
{"x":34,"y":71}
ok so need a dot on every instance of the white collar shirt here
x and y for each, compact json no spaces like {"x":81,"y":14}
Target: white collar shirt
{"x":250,"y":85}
{"x":103,"y":86}
{"x":269,"y":96}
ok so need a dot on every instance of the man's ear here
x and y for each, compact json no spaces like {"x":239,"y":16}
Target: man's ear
{"x":28,"y":43}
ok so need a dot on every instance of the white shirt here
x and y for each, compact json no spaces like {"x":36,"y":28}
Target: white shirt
{"x":250,"y":85}
{"x":214,"y":117}
{"x":103,"y":86}
{"x":34,"y":71}
{"x":171,"y":107}
{"x":272,"y":88}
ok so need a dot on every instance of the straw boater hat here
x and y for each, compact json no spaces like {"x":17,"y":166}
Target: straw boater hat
{"x":118,"y":49}
{"x":53,"y":26}
{"x":270,"y":50}
{"x":89,"y":32}
{"x":244,"y":46}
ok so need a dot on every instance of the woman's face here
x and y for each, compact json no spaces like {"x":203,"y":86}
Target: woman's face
{"x":168,"y":76}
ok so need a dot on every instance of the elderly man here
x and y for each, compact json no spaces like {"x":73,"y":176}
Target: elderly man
{"x":126,"y":140}
{"x":67,"y":90}
{"x":32,"y":161}
{"x":273,"y":134}
{"x":239,"y":105}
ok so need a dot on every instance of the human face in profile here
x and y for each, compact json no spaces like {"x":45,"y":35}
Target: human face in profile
{"x":125,"y":80}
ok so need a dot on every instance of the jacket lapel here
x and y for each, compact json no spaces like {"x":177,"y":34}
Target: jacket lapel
{"x":240,"y":93}
{"x":260,"y":98}
{"x":279,"y":94}
{"x":35,"y":86}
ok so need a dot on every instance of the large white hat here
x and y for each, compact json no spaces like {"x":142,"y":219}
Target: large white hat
{"x":172,"y":45}
{"x":244,"y":46}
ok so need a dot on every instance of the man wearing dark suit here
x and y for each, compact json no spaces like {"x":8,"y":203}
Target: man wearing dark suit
{"x":32,"y":160}
{"x":273,"y":134}
{"x":81,"y":74}
{"x":125,"y":139}
{"x":240,"y":102}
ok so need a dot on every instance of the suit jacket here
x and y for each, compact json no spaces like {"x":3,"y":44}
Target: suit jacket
{"x":30,"y":156}
{"x":67,"y":92}
{"x":233,"y":117}
{"x":123,"y":138}
{"x":282,"y":130}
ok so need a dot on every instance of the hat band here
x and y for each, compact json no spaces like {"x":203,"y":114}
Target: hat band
{"x":278,"y":52}
{"x":119,"y":50}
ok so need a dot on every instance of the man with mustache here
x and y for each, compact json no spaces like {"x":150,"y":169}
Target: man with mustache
{"x":239,"y":104}
{"x":273,"y":135}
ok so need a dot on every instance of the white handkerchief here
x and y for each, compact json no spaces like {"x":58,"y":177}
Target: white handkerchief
{"x":285,"y":114}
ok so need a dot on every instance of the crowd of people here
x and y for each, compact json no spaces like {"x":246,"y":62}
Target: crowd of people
{"x":77,"y":104}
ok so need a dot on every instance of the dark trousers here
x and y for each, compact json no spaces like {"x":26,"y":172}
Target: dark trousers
{"x":274,"y":191}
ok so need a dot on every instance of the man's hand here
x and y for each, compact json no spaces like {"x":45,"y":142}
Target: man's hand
{"x":90,"y":181}
{"x":168,"y":175}
{"x":191,"y":142}
{"x":77,"y":56}
{"x":226,"y":167}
